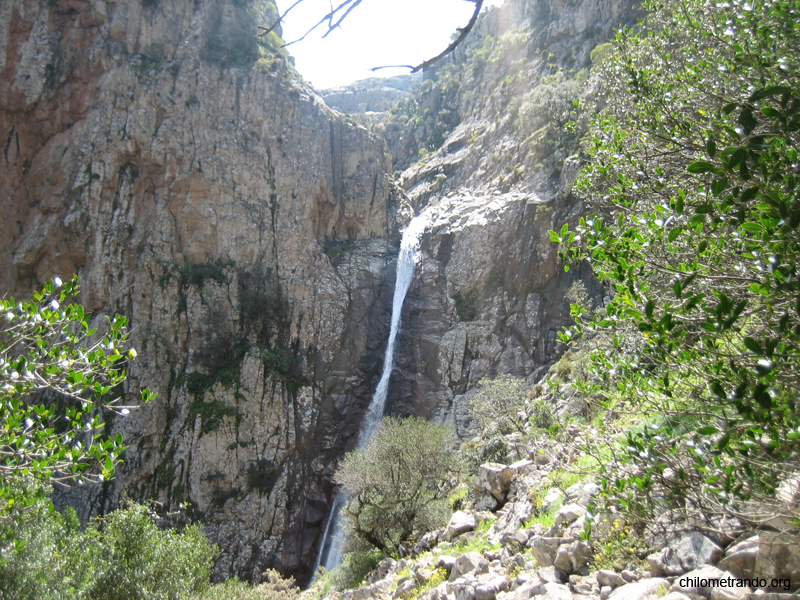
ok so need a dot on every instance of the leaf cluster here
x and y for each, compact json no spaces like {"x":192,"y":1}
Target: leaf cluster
{"x":59,"y":380}
{"x":123,"y":556}
{"x":692,"y":181}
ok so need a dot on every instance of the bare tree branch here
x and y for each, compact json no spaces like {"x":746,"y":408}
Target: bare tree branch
{"x":334,"y":20}
{"x":463,"y":33}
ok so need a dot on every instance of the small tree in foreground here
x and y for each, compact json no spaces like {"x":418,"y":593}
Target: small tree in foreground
{"x":58,"y":376}
{"x":398,"y":485}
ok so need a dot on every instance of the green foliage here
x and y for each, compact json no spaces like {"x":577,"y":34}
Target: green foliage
{"x":59,"y":380}
{"x":616,"y":545}
{"x":338,"y":248}
{"x":693,"y":182}
{"x":501,"y":406}
{"x":122,"y":556}
{"x":398,"y":485}
{"x":465,"y":307}
{"x":196,"y":273}
{"x":276,"y":588}
{"x":355,"y":565}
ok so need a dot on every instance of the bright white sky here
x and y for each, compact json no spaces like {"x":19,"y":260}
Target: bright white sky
{"x":376,"y":33}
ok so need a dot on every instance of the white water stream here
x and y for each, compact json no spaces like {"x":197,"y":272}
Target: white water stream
{"x":330,"y":551}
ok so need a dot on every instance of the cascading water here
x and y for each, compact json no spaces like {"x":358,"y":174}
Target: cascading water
{"x":330,"y":551}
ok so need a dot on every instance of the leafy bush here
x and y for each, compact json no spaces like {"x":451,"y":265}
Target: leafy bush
{"x":355,"y":565}
{"x":693,"y":182}
{"x":59,"y":379}
{"x":123,"y":556}
{"x":501,"y":405}
{"x":276,"y":588}
{"x":398,"y":485}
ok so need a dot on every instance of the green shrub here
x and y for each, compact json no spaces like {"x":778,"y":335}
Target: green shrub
{"x":276,"y":588}
{"x":398,"y":485}
{"x":354,"y":567}
{"x":123,"y":556}
{"x":501,"y":405}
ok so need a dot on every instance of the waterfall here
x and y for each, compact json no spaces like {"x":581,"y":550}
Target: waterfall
{"x":330,"y":551}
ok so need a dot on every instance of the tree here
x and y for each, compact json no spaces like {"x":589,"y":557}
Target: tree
{"x":59,"y":379}
{"x":693,"y":183}
{"x":397,"y":486}
{"x":501,"y":406}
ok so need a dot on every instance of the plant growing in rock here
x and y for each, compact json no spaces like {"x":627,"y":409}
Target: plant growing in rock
{"x":693,"y":185}
{"x":501,"y":406}
{"x":399,"y":484}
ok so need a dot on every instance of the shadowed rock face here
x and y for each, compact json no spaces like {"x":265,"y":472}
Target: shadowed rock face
{"x":250,"y":234}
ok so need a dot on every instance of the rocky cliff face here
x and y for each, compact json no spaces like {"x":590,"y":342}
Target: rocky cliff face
{"x":171,"y":158}
{"x":174,"y":163}
{"x":490,"y":155}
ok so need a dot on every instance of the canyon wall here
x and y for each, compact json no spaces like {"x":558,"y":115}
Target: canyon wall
{"x":174,"y":159}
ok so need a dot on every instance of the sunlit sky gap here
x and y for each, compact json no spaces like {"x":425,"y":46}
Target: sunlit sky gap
{"x":376,"y":33}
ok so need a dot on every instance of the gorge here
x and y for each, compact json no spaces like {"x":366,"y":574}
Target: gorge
{"x":179,"y":165}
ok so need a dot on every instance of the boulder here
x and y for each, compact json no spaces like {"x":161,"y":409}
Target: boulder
{"x":403,"y":590}
{"x":556,"y":591}
{"x":768,"y":555}
{"x":699,"y":583}
{"x":471,"y":562}
{"x":779,"y":558}
{"x":569,"y":513}
{"x":492,"y":485}
{"x":573,"y":557}
{"x":582,"y":492}
{"x":609,"y":578}
{"x":460,"y":522}
{"x":740,"y":558}
{"x":640,"y":589}
{"x":529,"y":589}
{"x":543,"y":549}
{"x":630,"y":576}
{"x":488,"y":590}
{"x":551,"y":574}
{"x":464,"y":592}
{"x":688,"y":553}
{"x":445,"y":561}
{"x":583,"y":585}
{"x":553,"y":495}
